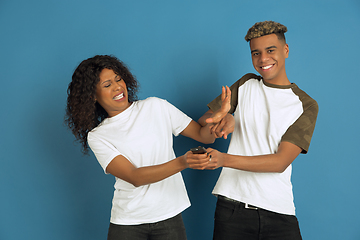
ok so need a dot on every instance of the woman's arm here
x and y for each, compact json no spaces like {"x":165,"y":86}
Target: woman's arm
{"x":198,"y":133}
{"x":122,"y":168}
{"x":212,"y":125}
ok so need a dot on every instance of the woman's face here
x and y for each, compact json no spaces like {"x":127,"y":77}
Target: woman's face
{"x":111,"y":92}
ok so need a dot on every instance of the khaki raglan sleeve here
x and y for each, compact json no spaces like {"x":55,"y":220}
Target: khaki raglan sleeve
{"x":216,"y":103}
{"x":300,"y":133}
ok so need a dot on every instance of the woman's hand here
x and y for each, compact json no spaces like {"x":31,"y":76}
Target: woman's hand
{"x":197,"y":161}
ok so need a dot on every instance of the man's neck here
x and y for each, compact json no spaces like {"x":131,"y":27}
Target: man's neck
{"x":280,"y":80}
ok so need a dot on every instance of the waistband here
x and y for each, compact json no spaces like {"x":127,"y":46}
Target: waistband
{"x":245,"y":205}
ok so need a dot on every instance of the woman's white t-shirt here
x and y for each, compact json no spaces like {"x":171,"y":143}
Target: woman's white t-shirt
{"x":143,"y":134}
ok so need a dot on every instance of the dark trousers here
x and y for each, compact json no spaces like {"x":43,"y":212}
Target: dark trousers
{"x":235,"y":222}
{"x":169,"y":229}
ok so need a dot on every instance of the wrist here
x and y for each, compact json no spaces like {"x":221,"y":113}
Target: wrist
{"x":223,"y":157}
{"x":183,"y":162}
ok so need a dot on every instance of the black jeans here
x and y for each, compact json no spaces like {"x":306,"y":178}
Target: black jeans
{"x":235,"y":222}
{"x":169,"y":229}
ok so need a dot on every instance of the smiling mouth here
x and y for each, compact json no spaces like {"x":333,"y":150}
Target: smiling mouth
{"x":118,"y":97}
{"x":267,"y":67}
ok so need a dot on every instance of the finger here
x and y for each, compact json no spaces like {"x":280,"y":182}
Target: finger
{"x":199,"y":165}
{"x":224,"y":135}
{"x":227,"y":129}
{"x":220,"y":126}
{"x":226,"y":99}
{"x":213,"y":128}
{"x":228,"y":92}
{"x":193,"y":160}
{"x":209,"y":150}
{"x":223,"y":93}
{"x":217,"y":133}
{"x":199,"y":156}
{"x":212,"y":165}
{"x":197,"y":162}
{"x":225,"y":132}
{"x":209,"y":120}
{"x":219,"y":129}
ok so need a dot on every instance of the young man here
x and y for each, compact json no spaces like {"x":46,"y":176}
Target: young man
{"x":273,"y":123}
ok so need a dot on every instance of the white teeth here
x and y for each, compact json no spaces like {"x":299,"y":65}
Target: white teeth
{"x":267,"y":67}
{"x":119,"y":96}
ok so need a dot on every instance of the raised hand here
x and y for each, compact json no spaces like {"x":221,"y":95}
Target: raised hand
{"x":222,"y":122}
{"x":217,"y":116}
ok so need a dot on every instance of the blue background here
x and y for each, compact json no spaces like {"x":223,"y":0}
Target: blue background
{"x":182,"y":51}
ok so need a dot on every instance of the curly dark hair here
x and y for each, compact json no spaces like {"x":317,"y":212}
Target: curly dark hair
{"x":260,"y":29}
{"x":83,"y":113}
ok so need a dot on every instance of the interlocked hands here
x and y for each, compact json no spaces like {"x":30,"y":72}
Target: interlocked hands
{"x":222,"y":122}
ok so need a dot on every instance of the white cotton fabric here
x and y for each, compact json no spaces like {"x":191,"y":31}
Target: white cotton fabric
{"x":263,"y":115}
{"x":143,"y":134}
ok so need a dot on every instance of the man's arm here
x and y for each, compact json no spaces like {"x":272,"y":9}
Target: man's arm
{"x":203,"y":132}
{"x":277,"y":162}
{"x":222,"y":123}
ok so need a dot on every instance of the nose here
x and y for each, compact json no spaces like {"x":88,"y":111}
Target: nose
{"x":117,"y":86}
{"x":264,"y":57}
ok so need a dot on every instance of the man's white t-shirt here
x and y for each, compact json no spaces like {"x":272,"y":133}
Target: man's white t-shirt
{"x":143,"y":134}
{"x":265,"y":114}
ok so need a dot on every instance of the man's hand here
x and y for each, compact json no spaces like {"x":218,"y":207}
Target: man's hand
{"x":216,"y":159}
{"x":224,"y":127}
{"x":222,"y":122}
{"x":217,"y":116}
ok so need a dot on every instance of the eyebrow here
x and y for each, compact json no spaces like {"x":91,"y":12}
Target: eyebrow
{"x":265,"y":49}
{"x":105,"y":81}
{"x":116,"y":76}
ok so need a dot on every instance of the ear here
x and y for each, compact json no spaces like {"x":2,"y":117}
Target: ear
{"x":286,"y":50}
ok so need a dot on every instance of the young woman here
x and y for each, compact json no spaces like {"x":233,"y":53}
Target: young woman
{"x":132,"y":140}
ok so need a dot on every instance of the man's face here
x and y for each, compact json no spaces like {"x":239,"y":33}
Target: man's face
{"x":268,"y":55}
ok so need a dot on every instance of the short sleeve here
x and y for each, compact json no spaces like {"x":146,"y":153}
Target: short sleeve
{"x":104,"y":151}
{"x":179,"y":120}
{"x":300,"y":133}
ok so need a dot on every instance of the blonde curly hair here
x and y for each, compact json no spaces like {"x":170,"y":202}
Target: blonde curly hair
{"x":260,"y":29}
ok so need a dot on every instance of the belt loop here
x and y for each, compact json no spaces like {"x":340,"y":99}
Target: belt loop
{"x":250,"y":207}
